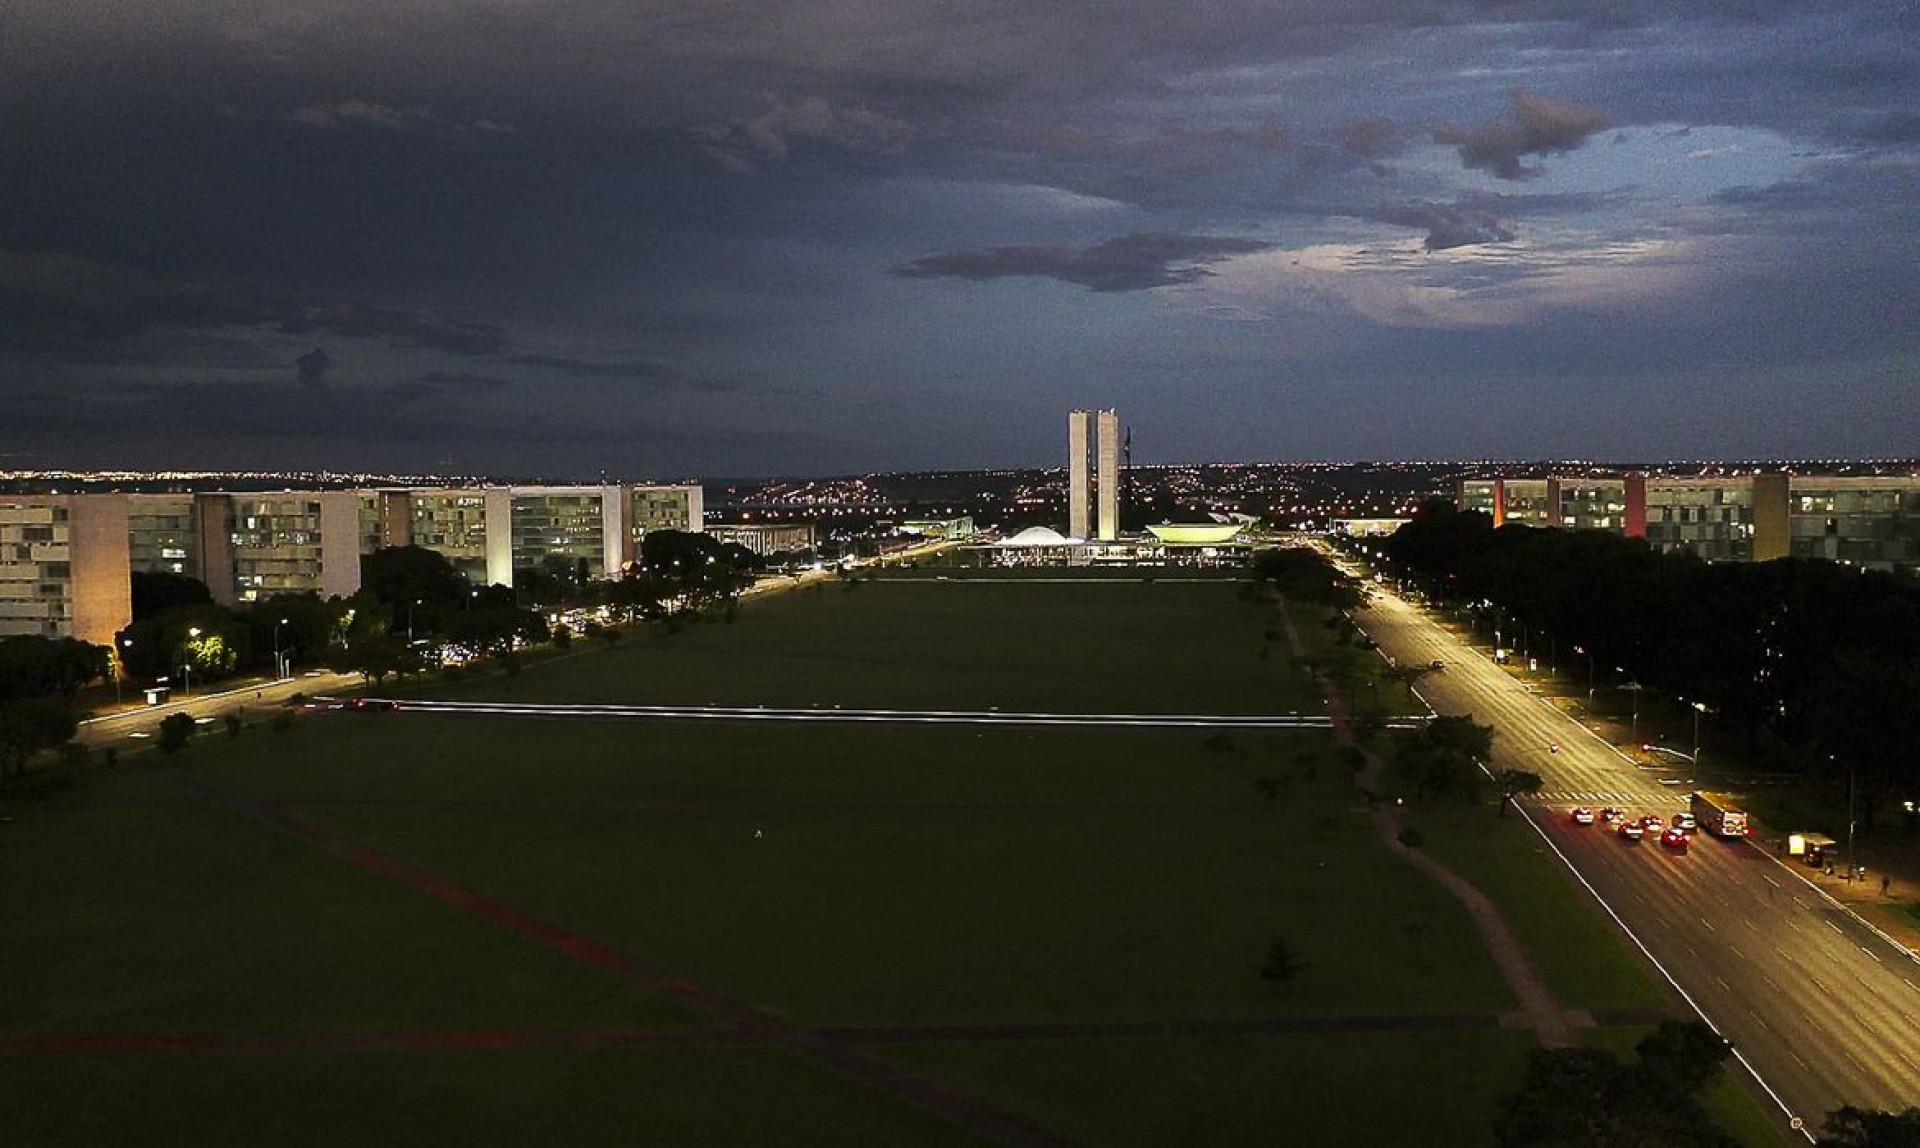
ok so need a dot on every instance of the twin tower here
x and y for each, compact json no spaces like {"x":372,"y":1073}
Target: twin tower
{"x":1094,"y":456}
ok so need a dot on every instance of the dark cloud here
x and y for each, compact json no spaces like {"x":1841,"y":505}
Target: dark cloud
{"x":462,"y":379}
{"x":357,"y":113}
{"x":357,"y":321}
{"x":1541,"y":127}
{"x":1136,"y":262}
{"x":1447,"y":227}
{"x":74,"y":307}
{"x":1374,"y":137}
{"x":640,"y":369}
{"x":313,"y":367}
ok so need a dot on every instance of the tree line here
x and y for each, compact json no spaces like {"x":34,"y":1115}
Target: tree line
{"x":411,"y":600}
{"x":1817,"y":660}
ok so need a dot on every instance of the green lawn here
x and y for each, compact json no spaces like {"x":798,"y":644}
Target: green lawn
{"x":131,"y":909}
{"x":1351,"y":1090}
{"x":604,"y":1096}
{"x":831,"y":875}
{"x":1576,"y":949}
{"x":1098,"y":647}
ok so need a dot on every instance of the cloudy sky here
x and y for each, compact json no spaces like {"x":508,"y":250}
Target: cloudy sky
{"x":674,"y":238}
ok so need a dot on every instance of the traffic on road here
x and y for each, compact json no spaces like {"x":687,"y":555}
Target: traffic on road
{"x":1817,"y":1003}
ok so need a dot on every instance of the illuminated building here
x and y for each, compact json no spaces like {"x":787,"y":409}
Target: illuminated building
{"x":764,"y":538}
{"x":1870,"y":521}
{"x":1093,"y":474}
{"x":63,"y":567}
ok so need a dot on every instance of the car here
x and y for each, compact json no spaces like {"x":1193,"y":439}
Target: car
{"x":1652,"y":823}
{"x":1437,"y":664}
{"x":1581,"y":815}
{"x":374,"y":705}
{"x":1632,"y":830}
{"x":1612,"y":814}
{"x":1686,"y":821}
{"x":1676,"y":839}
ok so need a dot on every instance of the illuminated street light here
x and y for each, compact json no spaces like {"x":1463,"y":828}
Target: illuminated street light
{"x":1633,"y":686}
{"x":186,"y":661}
{"x":279,"y":662}
{"x":1698,"y":709}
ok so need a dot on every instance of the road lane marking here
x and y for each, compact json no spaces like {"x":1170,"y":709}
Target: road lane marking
{"x":1835,"y":928}
{"x":1709,"y":925}
{"x":1723,"y":982}
{"x":1736,"y":952}
{"x":1869,"y":952}
{"x":1820,"y":984}
{"x":1769,"y":880}
{"x":1798,"y":1061}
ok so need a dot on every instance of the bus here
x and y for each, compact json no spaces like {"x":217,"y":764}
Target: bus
{"x":1718,"y":816}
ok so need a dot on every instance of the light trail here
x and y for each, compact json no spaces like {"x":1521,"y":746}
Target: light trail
{"x":856,"y":715}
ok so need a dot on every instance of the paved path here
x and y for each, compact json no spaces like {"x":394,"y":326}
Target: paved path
{"x":1537,"y":1008}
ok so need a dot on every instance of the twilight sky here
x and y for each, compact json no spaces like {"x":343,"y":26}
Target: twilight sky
{"x":674,"y":238}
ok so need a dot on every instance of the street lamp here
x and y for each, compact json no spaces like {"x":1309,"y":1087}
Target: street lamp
{"x":1633,"y":686}
{"x":1582,"y":651}
{"x":279,"y":662}
{"x":1698,"y":709}
{"x":186,"y":660}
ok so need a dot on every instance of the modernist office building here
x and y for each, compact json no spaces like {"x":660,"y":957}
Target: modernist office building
{"x":1093,"y":475}
{"x":65,"y":559}
{"x":1868,"y":521}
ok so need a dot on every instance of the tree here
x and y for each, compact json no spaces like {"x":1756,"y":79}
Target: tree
{"x":397,"y":576}
{"x":175,"y":731}
{"x":29,"y":725}
{"x":33,"y":667}
{"x":1851,"y":1127}
{"x":155,"y":592}
{"x":1443,"y":756}
{"x":1281,"y":965}
{"x":1515,"y":783}
{"x":1585,"y":1096}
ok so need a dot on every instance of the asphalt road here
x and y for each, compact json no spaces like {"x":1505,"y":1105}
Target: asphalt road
{"x":1820,"y":1006}
{"x":130,"y":727}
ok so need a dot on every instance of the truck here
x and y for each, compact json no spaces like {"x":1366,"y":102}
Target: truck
{"x":1718,"y":816}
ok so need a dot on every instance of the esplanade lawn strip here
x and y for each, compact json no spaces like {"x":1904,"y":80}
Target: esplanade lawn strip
{"x":839,"y":714}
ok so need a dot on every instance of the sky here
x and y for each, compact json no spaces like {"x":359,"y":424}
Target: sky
{"x":694,"y":238}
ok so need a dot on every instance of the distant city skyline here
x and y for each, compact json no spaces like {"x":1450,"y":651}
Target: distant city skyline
{"x":683,"y":239}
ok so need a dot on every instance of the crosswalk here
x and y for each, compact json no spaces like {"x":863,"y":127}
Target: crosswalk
{"x":1580,"y":796}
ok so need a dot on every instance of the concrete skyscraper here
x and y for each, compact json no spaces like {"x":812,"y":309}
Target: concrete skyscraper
{"x":1093,"y":475}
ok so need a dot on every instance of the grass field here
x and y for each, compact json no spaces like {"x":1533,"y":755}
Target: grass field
{"x":934,"y":897}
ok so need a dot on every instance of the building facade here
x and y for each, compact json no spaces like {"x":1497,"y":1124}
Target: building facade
{"x":66,"y":560}
{"x":1868,"y":521}
{"x":764,"y":538}
{"x":1093,"y":474}
{"x":64,"y":567}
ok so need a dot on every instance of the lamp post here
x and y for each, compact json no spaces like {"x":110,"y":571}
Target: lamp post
{"x":1698,"y":709}
{"x":186,"y":660}
{"x":1582,"y":651}
{"x":1851,"y":868}
{"x":1633,"y":686}
{"x":279,"y":663}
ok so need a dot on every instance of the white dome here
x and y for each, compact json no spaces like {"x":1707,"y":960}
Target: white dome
{"x":1037,"y":536}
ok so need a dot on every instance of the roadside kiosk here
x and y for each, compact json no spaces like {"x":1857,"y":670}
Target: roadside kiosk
{"x":1816,"y":849}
